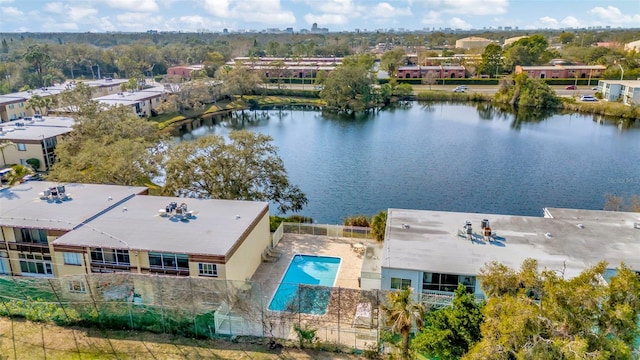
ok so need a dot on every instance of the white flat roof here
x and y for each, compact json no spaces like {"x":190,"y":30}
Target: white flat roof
{"x":428,"y":241}
{"x":36,"y":129}
{"x":215,"y":229}
{"x":22,"y":207}
{"x":128,"y":98}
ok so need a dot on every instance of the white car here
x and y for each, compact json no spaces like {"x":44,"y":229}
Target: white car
{"x":459,"y":89}
{"x":588,"y":98}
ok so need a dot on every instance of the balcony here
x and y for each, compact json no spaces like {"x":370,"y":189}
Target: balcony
{"x":102,"y":267}
{"x":166,"y":271}
{"x":30,"y":247}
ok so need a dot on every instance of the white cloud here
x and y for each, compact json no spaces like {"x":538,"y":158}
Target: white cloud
{"x":613,"y":15}
{"x":548,"y":22}
{"x":344,"y":7}
{"x":218,"y":8}
{"x":469,"y":7}
{"x":137,"y":5}
{"x":54,"y":7}
{"x":11,"y":11}
{"x":326,"y":19}
{"x":78,"y":13}
{"x":259,"y":11}
{"x":5,"y":1}
{"x":386,"y":10}
{"x":458,"y":23}
{"x":432,"y":17}
{"x":570,"y":21}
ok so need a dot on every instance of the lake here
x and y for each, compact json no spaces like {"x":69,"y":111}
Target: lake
{"x":447,"y":157}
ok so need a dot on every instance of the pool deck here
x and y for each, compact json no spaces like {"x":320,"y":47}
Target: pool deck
{"x":268,"y":275}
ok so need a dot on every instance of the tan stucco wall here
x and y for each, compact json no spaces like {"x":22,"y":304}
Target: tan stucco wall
{"x":19,"y":110}
{"x":248,"y":256}
{"x":13,"y":156}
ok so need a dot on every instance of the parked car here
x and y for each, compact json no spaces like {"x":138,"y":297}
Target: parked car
{"x":32,"y":177}
{"x":459,"y":89}
{"x":587,"y":98}
{"x":594,"y":88}
{"x":570,"y":87}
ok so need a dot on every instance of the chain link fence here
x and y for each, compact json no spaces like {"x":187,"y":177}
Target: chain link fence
{"x":195,"y":307}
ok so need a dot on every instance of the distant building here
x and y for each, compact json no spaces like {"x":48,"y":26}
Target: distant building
{"x":34,"y":138}
{"x":184,"y":71}
{"x":440,"y":72}
{"x":609,"y":44}
{"x":275,"y":67}
{"x":142,"y":102}
{"x":634,"y":45}
{"x":562,"y":71}
{"x":472,"y":42}
{"x":511,"y":40}
{"x":627,"y":91}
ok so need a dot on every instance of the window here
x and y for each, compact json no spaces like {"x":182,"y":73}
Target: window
{"x":399,"y":284}
{"x":447,"y":282}
{"x":35,"y":264}
{"x":168,"y":261}
{"x":206,"y":269}
{"x":110,"y":256}
{"x":22,"y":147}
{"x":11,"y":106}
{"x":72,"y":258}
{"x":21,"y":105}
{"x":77,"y":286}
{"x":36,"y":236}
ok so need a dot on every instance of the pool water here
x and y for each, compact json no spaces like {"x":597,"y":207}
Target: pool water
{"x":306,"y":285}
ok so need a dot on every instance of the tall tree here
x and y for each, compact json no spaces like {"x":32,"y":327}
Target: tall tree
{"x":401,"y":314}
{"x":531,"y":50}
{"x":379,"y":225}
{"x":347,"y":89}
{"x":450,"y":332}
{"x":392,"y":60}
{"x":491,"y":60}
{"x":112,"y":146}
{"x":541,"y":315}
{"x":245,"y":168}
{"x":238,"y":80}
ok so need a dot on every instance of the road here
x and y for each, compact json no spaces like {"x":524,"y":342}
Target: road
{"x":485,"y":89}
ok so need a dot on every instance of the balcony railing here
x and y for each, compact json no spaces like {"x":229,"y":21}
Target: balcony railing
{"x":101,"y":267}
{"x":30,"y":247}
{"x":167,"y":271}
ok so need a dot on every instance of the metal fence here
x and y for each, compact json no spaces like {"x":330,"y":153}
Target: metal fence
{"x":195,"y":307}
{"x":331,"y":231}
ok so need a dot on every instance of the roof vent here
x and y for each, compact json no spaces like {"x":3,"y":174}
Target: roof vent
{"x":581,"y":226}
{"x":237,"y":217}
{"x":405,"y":226}
{"x":636,"y":225}
{"x":548,"y":235}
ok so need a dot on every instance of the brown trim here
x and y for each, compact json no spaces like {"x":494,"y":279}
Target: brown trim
{"x":56,"y":232}
{"x":69,"y":248}
{"x":246,"y":233}
{"x":215,"y":259}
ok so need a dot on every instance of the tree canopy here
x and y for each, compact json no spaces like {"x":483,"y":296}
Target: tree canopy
{"x":108,"y":147}
{"x":247,"y":167}
{"x":532,"y":314}
{"x":401,"y":314}
{"x":347,"y":89}
{"x":451,"y":331}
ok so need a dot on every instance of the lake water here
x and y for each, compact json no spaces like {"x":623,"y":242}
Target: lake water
{"x":448,"y":157}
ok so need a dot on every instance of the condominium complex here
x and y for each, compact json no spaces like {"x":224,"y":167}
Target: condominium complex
{"x":54,"y":230}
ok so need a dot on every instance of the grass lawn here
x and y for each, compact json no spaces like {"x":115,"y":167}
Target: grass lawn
{"x":80,"y":343}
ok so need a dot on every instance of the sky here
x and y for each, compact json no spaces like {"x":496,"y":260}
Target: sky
{"x":336,"y":15}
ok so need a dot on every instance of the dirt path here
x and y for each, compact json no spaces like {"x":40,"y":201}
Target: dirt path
{"x":80,"y":343}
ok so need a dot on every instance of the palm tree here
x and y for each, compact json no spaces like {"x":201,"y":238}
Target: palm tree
{"x":3,"y":145}
{"x":379,"y":225}
{"x":401,"y":313}
{"x":17,"y":173}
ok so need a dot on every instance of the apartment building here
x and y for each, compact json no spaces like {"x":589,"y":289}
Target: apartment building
{"x":33,"y":138}
{"x":626,"y":91}
{"x":142,"y":102}
{"x":54,"y":230}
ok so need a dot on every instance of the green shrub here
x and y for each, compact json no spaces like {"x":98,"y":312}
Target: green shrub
{"x":35,"y":163}
{"x":359,"y":220}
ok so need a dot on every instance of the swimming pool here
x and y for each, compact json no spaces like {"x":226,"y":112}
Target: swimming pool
{"x":306,"y":285}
